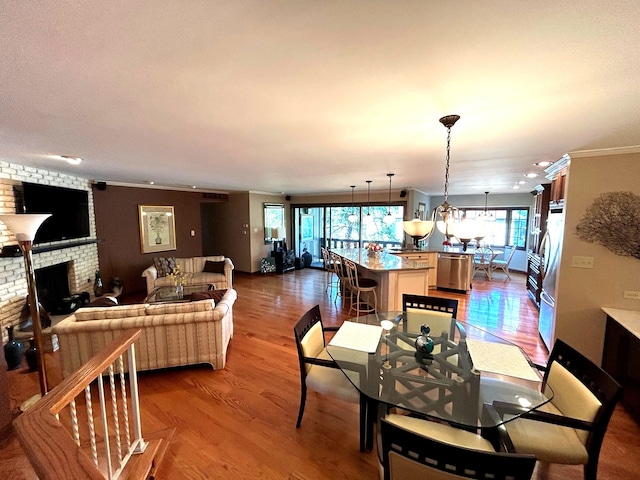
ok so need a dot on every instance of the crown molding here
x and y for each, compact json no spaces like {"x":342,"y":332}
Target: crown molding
{"x":605,"y":151}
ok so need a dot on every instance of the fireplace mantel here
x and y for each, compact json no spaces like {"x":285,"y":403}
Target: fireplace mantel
{"x":50,"y":248}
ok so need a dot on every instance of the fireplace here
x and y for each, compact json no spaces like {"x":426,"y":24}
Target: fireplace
{"x":52,"y":284}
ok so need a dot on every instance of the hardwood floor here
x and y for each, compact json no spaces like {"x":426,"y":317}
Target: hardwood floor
{"x":239,"y":423}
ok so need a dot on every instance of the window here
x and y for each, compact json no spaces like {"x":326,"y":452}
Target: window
{"x":273,"y":222}
{"x":510,"y":226}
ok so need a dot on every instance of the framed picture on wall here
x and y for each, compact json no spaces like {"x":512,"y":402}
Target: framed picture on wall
{"x":422,"y":211}
{"x":306,"y":228}
{"x":157,"y":228}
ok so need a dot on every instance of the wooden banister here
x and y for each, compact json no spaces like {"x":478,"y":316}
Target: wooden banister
{"x":52,"y":451}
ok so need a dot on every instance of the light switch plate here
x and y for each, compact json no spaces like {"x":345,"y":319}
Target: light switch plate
{"x":633,"y":294}
{"x":581,"y":262}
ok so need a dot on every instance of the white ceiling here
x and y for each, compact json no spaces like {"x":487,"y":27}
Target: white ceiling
{"x":314,"y":96}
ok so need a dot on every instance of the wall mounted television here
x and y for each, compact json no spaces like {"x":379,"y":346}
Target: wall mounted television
{"x":69,"y":209}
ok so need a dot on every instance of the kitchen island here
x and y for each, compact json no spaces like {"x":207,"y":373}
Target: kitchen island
{"x":395,"y":275}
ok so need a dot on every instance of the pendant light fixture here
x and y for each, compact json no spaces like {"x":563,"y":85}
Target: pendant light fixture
{"x":451,"y":223}
{"x":445,"y":215}
{"x":368,"y":219}
{"x":486,"y":219}
{"x":389,"y":219}
{"x":352,"y":216}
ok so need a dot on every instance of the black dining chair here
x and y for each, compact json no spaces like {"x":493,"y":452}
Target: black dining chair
{"x":571,"y":427}
{"x":438,"y":312}
{"x":319,"y":372}
{"x":413,"y":448}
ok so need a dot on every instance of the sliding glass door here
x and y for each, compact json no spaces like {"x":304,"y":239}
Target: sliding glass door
{"x":340,"y":226}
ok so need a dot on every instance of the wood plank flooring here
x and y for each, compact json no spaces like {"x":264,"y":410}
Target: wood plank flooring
{"x":239,"y":423}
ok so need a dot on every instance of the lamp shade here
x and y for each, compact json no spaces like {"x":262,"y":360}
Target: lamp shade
{"x":24,"y":225}
{"x":417,"y":227}
{"x":279,"y":233}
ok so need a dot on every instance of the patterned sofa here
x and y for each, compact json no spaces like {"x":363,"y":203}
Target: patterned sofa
{"x":216,"y":269}
{"x":173,"y":334}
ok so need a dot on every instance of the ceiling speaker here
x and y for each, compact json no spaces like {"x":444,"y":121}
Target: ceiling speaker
{"x":101,"y":185}
{"x":403,"y":193}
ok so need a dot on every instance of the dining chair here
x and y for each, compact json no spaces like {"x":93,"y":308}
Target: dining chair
{"x":318,"y":371}
{"x":503,"y":264}
{"x":413,"y":448}
{"x":482,"y":261}
{"x":571,"y":427}
{"x":361,"y":289}
{"x":437,"y":312}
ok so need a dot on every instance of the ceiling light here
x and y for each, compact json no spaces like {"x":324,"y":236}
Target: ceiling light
{"x":521,"y":182}
{"x":516,"y":187}
{"x":352,"y":216}
{"x":545,"y":163}
{"x":368,"y":219}
{"x":389,"y":219}
{"x":531,"y":175}
{"x":68,"y":159}
{"x":451,"y":224}
{"x":487,"y":219}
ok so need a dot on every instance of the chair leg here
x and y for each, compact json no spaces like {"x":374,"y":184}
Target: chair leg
{"x":303,"y":399}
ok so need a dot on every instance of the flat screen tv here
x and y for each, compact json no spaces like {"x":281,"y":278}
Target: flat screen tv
{"x":69,"y":209}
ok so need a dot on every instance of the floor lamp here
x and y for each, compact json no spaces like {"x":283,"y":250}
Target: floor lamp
{"x":24,"y":227}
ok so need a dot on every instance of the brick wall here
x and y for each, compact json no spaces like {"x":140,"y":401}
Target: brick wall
{"x":83,"y":259}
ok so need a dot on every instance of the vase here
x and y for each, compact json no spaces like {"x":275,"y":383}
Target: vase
{"x":31,"y":354}
{"x":13,"y":351}
{"x":179,"y":290}
{"x":97,"y":285}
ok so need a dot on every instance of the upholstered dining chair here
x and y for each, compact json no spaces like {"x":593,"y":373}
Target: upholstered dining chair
{"x":570,"y":428}
{"x":482,"y":261}
{"x":503,"y":264}
{"x":413,"y":448}
{"x":318,"y":371}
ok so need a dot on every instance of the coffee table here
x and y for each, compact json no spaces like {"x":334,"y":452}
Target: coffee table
{"x":172,"y":294}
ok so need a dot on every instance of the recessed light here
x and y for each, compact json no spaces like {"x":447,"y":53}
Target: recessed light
{"x":521,"y":182}
{"x":516,"y":187}
{"x":531,"y":175}
{"x":545,"y":163}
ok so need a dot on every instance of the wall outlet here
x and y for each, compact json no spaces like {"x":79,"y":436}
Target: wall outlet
{"x":633,"y":294}
{"x":581,"y":262}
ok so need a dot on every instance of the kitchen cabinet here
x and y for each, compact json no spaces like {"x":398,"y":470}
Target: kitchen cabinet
{"x":558,"y":174}
{"x":620,"y":359}
{"x":430,"y":258}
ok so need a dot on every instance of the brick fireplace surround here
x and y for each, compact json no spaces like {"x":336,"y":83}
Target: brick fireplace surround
{"x":83,"y":259}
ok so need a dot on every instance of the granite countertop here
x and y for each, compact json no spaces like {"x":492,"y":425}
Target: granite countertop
{"x":629,"y":319}
{"x":455,"y":250}
{"x":385,"y":261}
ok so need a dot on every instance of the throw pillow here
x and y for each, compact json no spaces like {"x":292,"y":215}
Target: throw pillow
{"x":103,"y":302}
{"x":213,"y":267}
{"x":216,"y":295}
{"x":164,"y":266}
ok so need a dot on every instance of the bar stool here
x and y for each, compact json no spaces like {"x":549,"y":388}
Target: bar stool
{"x":343,"y":281}
{"x":358,"y":286}
{"x":330,"y":268}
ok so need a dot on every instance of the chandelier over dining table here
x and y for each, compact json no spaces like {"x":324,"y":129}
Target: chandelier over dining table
{"x":447,"y":218}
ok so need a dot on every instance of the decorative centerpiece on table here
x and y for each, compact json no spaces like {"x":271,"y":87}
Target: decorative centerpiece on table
{"x":179,"y":279}
{"x":374,"y":250}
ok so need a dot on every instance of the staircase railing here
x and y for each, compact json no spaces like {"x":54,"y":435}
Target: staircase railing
{"x":69,"y":433}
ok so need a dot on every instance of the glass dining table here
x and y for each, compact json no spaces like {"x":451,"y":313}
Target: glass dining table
{"x":467,"y":368}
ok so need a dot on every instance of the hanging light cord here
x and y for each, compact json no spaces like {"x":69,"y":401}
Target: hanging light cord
{"x":446,"y":171}
{"x":368,"y":198}
{"x":389,"y":208}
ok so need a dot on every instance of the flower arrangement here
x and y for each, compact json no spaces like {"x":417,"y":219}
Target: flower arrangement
{"x":447,"y":243}
{"x":374,"y":247}
{"x":177,"y":276}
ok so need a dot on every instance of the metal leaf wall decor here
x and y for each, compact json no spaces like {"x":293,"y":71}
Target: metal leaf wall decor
{"x":613,"y":220}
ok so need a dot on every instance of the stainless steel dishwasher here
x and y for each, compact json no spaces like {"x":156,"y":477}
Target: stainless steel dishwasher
{"x":454,"y":271}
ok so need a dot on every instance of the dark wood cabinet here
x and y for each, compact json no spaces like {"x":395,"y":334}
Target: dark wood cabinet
{"x":620,"y":359}
{"x":542,"y":195}
{"x":285,"y":260}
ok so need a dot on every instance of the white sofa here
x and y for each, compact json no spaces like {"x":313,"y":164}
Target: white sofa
{"x":173,"y":334}
{"x":192,"y":269}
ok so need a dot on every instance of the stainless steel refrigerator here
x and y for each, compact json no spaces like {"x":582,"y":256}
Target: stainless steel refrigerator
{"x":550,"y":249}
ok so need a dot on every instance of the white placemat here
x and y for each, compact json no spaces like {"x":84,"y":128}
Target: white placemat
{"x":357,"y":336}
{"x":500,"y":358}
